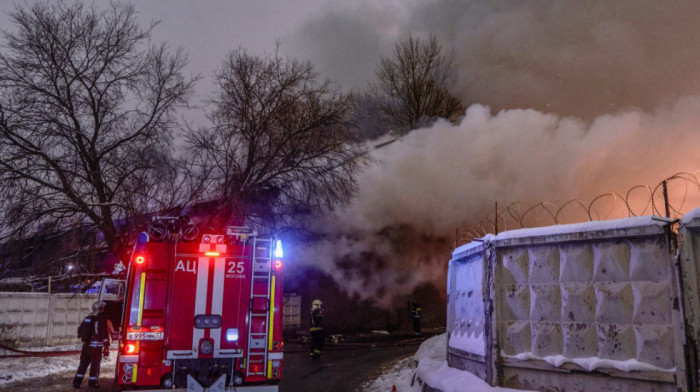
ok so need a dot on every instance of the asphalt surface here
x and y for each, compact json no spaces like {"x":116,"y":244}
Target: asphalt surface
{"x":341,"y":368}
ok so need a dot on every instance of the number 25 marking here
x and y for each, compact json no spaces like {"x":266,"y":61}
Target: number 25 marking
{"x":235,"y":267}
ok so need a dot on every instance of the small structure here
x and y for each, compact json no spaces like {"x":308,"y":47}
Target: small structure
{"x":292,"y":312}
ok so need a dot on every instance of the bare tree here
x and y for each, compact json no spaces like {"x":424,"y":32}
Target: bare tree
{"x":86,"y":112}
{"x":279,"y":147}
{"x":368,"y":117}
{"x":412,"y":86}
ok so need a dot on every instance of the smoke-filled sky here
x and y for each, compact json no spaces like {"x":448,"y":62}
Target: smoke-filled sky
{"x":567,"y":99}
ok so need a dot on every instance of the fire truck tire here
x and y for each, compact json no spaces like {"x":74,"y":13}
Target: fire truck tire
{"x":166,"y":381}
{"x":237,"y":379}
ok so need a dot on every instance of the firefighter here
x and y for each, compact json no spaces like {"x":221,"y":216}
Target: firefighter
{"x":94,"y":333}
{"x":415,"y":317}
{"x":316,"y":329}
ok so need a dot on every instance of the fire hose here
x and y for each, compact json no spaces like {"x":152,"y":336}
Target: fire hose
{"x":27,"y":353}
{"x":332,"y":347}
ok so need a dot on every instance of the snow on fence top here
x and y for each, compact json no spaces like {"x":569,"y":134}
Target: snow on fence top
{"x":641,"y":225}
{"x":692,"y":216}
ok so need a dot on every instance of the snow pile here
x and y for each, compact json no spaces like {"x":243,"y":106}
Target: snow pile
{"x":431,"y":369}
{"x":399,"y":375}
{"x":593,"y":363}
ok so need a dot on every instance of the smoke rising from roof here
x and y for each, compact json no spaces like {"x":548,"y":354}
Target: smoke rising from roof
{"x":569,"y":100}
{"x":398,"y":231}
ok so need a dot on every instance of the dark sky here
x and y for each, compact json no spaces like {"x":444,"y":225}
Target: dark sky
{"x":566,"y":57}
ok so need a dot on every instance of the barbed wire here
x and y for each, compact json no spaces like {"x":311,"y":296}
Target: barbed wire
{"x":639,"y":200}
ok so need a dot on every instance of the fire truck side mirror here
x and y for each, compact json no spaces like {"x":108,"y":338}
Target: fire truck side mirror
{"x":190,"y":232}
{"x":158,"y":231}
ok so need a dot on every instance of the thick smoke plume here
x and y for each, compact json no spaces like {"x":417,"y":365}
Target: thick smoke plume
{"x":568,"y":100}
{"x":399,"y":230}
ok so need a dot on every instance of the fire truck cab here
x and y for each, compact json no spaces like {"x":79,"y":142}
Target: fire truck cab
{"x":201,"y":312}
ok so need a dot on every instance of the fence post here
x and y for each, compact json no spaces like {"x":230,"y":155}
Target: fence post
{"x":49,"y":317}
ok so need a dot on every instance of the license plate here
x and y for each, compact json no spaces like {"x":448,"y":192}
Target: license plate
{"x":144,"y":335}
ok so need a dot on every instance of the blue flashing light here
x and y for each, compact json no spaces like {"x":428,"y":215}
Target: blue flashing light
{"x":279,"y":253}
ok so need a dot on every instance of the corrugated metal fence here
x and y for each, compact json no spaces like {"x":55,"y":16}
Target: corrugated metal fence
{"x":592,"y":306}
{"x":42,"y":319}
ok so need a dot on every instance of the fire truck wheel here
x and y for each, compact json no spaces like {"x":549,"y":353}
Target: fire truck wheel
{"x":237,"y":379}
{"x":166,"y":381}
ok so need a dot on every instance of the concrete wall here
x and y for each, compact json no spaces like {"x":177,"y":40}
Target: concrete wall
{"x":572,"y":305}
{"x":42,"y":319}
{"x":466,"y":317}
{"x":689,"y":258}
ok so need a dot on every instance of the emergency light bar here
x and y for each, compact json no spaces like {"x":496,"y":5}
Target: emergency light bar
{"x":212,"y":254}
{"x":240,"y":230}
{"x":207,"y":321}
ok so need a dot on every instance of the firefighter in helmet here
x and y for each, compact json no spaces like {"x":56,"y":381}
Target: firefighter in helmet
{"x":316,"y":329}
{"x":415,"y":317}
{"x":94,"y":333}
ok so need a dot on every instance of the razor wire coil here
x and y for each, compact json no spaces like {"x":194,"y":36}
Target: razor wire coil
{"x":517,"y":215}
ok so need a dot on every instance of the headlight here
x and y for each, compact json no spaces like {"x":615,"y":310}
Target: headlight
{"x":206,"y":347}
{"x":232,"y":334}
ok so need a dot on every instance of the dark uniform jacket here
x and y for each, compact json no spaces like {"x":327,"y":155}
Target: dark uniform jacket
{"x":93,"y":331}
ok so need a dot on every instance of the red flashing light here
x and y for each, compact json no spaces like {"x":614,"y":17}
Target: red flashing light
{"x":212,"y":254}
{"x":140,"y":259}
{"x":278,"y":264}
{"x":130,"y":348}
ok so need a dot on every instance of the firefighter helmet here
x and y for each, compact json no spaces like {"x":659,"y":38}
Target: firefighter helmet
{"x":98,"y":306}
{"x":316,"y":304}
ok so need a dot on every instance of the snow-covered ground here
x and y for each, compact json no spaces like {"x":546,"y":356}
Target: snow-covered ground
{"x":17,"y":369}
{"x":404,"y":375}
{"x":432,"y":368}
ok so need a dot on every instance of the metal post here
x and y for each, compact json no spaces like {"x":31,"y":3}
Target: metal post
{"x":668,"y":212}
{"x":49,"y":286}
{"x":496,"y":220}
{"x":689,"y":349}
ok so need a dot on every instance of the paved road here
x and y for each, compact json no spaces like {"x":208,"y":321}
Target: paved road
{"x":339,"y":370}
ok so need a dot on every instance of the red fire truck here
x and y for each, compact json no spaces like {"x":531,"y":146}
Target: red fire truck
{"x":202,"y":312}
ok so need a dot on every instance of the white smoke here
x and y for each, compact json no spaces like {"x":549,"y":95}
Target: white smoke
{"x":422,"y":187}
{"x":568,"y":100}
